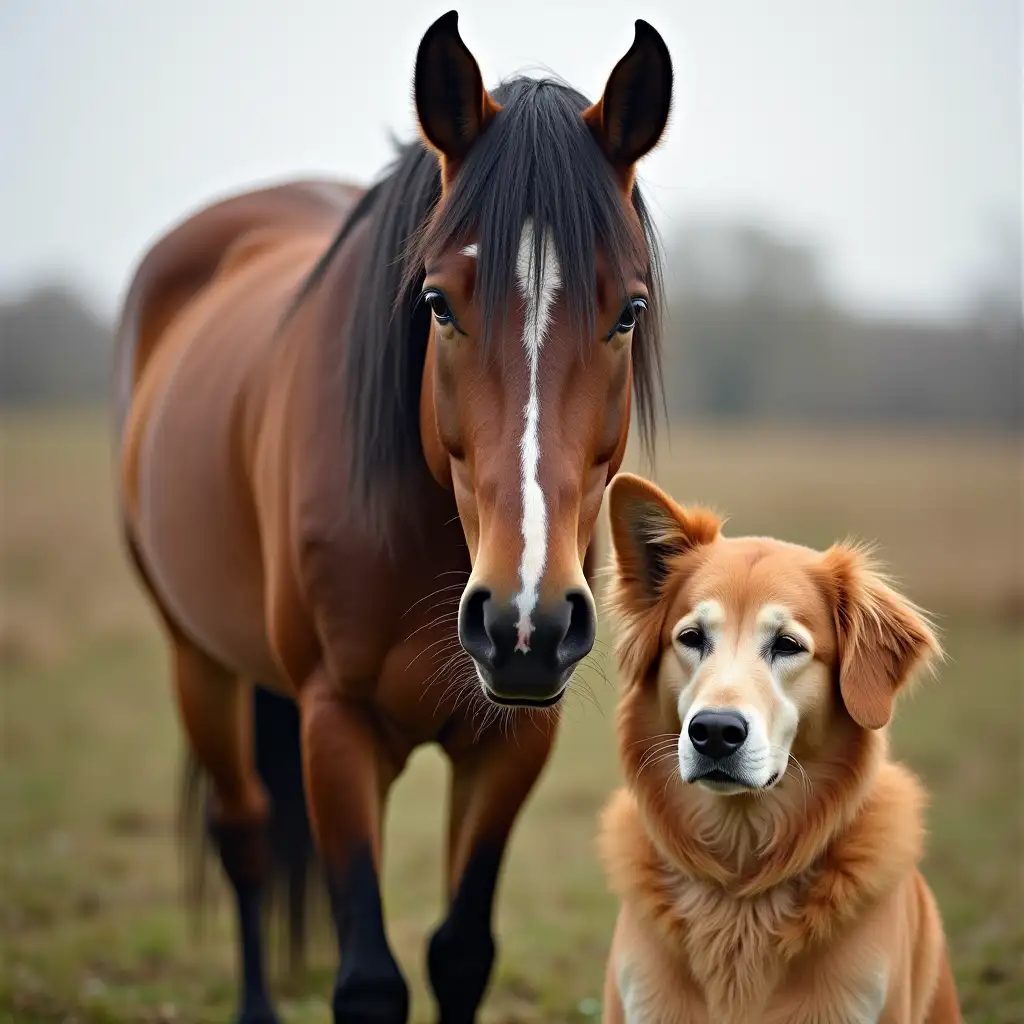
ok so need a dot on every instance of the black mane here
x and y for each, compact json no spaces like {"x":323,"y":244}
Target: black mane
{"x":537,"y":160}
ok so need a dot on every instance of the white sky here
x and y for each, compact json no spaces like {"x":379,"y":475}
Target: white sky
{"x":888,"y":130}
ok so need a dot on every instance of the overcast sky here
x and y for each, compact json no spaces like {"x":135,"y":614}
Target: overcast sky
{"x":888,"y":130}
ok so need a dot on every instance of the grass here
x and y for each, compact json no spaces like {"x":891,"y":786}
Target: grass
{"x":91,"y":927}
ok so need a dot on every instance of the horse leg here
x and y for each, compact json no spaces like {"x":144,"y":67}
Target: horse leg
{"x":216,"y":708}
{"x":491,"y":779}
{"x":348,"y":772}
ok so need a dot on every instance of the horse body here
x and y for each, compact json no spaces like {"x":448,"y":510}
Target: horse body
{"x":201,"y":421}
{"x":315,"y":507}
{"x":241,"y":519}
{"x":238,"y":502}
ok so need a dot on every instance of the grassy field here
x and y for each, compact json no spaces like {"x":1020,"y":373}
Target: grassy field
{"x":91,"y":927}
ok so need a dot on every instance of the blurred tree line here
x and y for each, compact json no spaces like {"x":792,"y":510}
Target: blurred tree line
{"x":753,"y":333}
{"x":54,"y":350}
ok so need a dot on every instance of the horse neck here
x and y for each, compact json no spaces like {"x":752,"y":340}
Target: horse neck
{"x":418,"y":512}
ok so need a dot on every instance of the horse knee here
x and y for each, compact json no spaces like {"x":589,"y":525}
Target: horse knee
{"x":459,"y":964}
{"x":244,"y":850}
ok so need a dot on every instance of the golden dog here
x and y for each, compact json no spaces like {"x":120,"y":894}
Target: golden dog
{"x":765,"y":849}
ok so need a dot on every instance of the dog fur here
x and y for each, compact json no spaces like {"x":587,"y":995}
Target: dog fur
{"x":794,"y":898}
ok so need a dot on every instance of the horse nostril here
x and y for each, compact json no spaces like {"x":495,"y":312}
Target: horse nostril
{"x":473,"y":632}
{"x":578,"y":640}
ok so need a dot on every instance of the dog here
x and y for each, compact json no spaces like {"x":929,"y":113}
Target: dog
{"x":765,"y":848}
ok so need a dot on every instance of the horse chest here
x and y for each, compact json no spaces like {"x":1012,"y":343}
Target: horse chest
{"x":426,"y":674}
{"x":388,"y":626}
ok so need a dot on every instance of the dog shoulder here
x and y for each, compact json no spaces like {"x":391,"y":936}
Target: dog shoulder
{"x":623,"y":843}
{"x":643,"y":985}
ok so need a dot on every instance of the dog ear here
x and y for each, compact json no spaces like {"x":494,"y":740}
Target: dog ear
{"x":882,"y":637}
{"x":649,"y":533}
{"x":649,"y":530}
{"x":452,"y":105}
{"x":630,"y":117}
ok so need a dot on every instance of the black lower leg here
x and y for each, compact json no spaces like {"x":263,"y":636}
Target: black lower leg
{"x":462,"y":950}
{"x":244,"y":856}
{"x":369,"y":988}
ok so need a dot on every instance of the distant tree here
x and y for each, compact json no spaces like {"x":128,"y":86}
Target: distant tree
{"x":996,"y":302}
{"x":54,"y":349}
{"x":752,"y":323}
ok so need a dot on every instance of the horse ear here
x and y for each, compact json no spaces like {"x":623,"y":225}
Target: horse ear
{"x":882,"y":637}
{"x":630,"y":117}
{"x":649,"y":531}
{"x":452,"y":105}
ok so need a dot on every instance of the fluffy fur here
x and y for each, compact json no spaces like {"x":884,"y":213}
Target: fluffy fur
{"x":798,"y":900}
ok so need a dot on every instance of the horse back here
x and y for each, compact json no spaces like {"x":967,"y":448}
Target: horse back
{"x":209,"y":242}
{"x":194,"y":360}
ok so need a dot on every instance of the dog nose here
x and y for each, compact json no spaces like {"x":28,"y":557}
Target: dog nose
{"x":717,"y":734}
{"x":531,"y":663}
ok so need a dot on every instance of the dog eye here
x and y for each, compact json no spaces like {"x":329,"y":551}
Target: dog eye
{"x":693,"y":638}
{"x":785,"y":646}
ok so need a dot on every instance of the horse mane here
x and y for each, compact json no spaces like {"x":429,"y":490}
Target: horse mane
{"x":538,"y":161}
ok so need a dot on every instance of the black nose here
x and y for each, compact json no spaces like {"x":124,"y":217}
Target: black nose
{"x":526,"y":663}
{"x":717,"y":734}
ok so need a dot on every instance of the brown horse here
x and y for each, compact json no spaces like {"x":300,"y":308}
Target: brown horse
{"x":335,"y":445}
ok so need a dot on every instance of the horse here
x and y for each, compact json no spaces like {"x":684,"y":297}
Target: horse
{"x":363,"y":437}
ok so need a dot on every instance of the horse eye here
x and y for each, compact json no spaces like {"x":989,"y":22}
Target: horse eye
{"x":693,"y":638}
{"x":439,"y":307}
{"x":627,"y":320}
{"x":786,"y":646}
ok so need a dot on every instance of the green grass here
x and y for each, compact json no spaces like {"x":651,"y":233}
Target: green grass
{"x":91,"y":925}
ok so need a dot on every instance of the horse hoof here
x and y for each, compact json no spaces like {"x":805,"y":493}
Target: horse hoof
{"x":369,"y":999}
{"x":258,"y":1015}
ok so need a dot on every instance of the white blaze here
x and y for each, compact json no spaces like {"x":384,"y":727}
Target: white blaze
{"x":535,"y":518}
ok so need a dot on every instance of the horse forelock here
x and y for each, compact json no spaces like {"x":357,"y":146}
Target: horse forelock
{"x":537,"y":164}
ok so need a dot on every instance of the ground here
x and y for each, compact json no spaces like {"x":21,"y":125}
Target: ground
{"x":91,"y":924}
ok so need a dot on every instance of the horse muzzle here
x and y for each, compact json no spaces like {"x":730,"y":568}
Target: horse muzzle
{"x":526,"y":660}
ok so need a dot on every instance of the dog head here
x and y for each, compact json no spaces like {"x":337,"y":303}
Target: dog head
{"x":750,"y":650}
